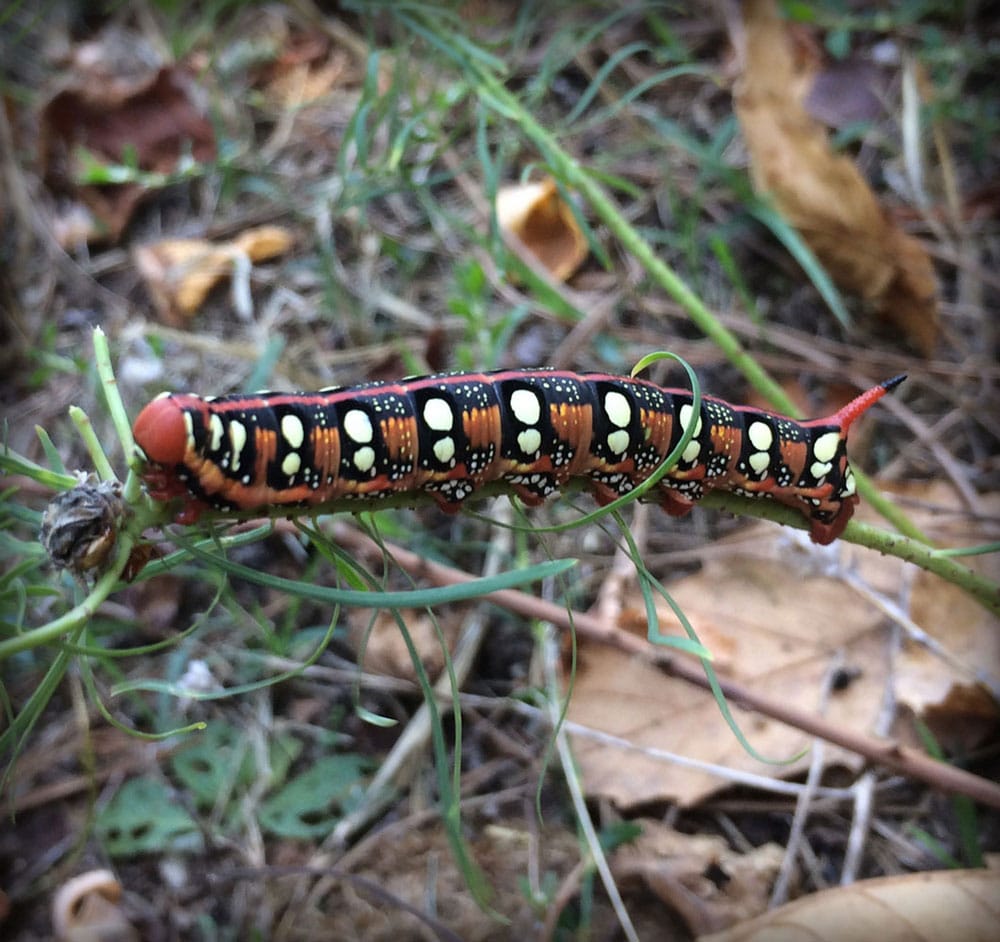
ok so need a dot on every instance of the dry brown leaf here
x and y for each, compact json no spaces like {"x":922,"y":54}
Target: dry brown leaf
{"x":538,"y":216}
{"x":180,"y":273}
{"x":120,"y":109}
{"x":961,"y":713}
{"x":307,"y":70}
{"x":763,"y":634}
{"x":385,"y":652}
{"x":940,"y":906}
{"x":823,"y":194}
{"x":775,"y":628}
{"x":676,"y":868}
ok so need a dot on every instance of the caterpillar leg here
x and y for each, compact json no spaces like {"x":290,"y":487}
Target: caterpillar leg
{"x":674,"y":503}
{"x":528,"y":497}
{"x":190,"y":512}
{"x":450,"y":507}
{"x":824,"y":531}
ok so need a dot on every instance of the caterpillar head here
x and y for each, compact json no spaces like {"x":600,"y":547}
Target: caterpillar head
{"x":163,"y":432}
{"x":164,"y":441}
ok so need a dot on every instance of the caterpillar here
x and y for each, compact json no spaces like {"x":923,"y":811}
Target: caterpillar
{"x":448,"y":434}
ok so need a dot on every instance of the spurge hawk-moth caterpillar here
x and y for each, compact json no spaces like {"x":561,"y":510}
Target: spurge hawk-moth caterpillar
{"x":450,"y":433}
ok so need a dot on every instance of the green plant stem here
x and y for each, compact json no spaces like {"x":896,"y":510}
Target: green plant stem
{"x":79,"y":614}
{"x":939,"y":562}
{"x":86,"y":431}
{"x":144,"y":513}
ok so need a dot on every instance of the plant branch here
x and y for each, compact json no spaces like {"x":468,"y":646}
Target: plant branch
{"x":940,"y":562}
{"x":885,"y":752}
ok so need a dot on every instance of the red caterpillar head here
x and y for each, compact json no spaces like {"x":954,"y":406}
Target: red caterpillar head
{"x":162,"y":431}
{"x":164,"y":439}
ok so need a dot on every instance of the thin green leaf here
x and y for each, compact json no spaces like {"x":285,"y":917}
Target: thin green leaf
{"x":416,"y":598}
{"x":789,"y":237}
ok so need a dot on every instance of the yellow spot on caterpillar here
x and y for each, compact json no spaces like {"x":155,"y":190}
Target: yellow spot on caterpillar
{"x":820,"y":469}
{"x":618,"y":410}
{"x":217,"y":430}
{"x":825,"y":447}
{"x":529,"y":441}
{"x":692,"y":451}
{"x":444,"y":449}
{"x":525,"y":406}
{"x":238,"y":441}
{"x":291,"y":463}
{"x":760,"y":435}
{"x":364,"y":458}
{"x":358,"y":427}
{"x":618,"y":441}
{"x":686,"y":414}
{"x":438,"y":415}
{"x":850,"y":485}
{"x":292,"y":430}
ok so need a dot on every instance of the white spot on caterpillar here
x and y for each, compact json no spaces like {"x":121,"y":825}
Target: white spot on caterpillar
{"x":759,"y":461}
{"x":760,"y":435}
{"x":364,"y":458}
{"x":618,"y":410}
{"x":849,"y":485}
{"x":217,"y":430}
{"x":529,"y":441}
{"x":820,"y":469}
{"x":618,"y":441}
{"x":291,"y":463}
{"x":690,"y":454}
{"x":525,"y":406}
{"x":438,"y":415}
{"x":358,"y":427}
{"x":292,"y":430}
{"x":238,"y":441}
{"x":825,"y":447}
{"x":444,"y":449}
{"x":686,"y":413}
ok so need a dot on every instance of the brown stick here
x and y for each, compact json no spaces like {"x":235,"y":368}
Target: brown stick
{"x":884,"y":752}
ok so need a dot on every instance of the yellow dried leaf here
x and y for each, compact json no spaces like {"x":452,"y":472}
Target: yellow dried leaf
{"x":264,"y":242}
{"x":180,"y":273}
{"x":760,"y":635}
{"x":308,"y":82}
{"x":384,"y":650}
{"x":539,"y":218}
